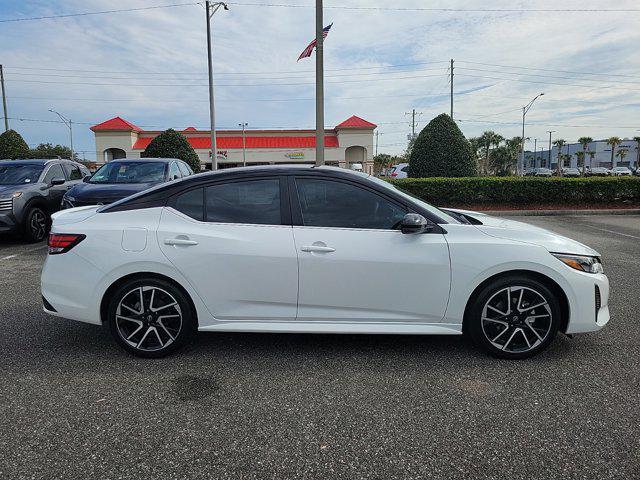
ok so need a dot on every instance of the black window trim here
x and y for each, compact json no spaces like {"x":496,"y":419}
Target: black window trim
{"x":285,"y":209}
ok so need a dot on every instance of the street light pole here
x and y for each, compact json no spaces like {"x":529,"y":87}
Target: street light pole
{"x":550,"y":132}
{"x":244,"y":144}
{"x":212,"y":8}
{"x":68,"y":123}
{"x":319,"y":86}
{"x":525,"y":109}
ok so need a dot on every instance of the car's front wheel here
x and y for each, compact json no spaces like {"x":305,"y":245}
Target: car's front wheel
{"x":150,"y":317}
{"x":35,"y":225}
{"x":514,"y":317}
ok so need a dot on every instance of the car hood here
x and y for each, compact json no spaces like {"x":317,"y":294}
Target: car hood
{"x":105,"y":193}
{"x":523,"y":232}
{"x":8,"y":190}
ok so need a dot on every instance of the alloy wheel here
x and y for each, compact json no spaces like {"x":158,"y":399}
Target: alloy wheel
{"x":148,"y":318}
{"x":516,"y":319}
{"x":38,"y":225}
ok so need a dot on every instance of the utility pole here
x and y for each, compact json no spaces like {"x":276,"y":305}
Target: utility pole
{"x":525,"y":109}
{"x":212,"y":8}
{"x":451,"y":88}
{"x":68,"y":123}
{"x":550,"y":132}
{"x":413,"y":114}
{"x":535,"y":150}
{"x":377,"y":133}
{"x":319,"y":86}
{"x":244,"y":144}
{"x":4,"y":100}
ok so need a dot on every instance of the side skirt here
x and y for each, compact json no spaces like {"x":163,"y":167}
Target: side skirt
{"x":327,"y":327}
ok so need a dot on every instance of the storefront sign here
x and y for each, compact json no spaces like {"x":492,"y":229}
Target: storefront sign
{"x":295,"y":155}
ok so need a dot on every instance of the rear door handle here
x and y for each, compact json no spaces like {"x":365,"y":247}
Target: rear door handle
{"x":179,"y":241}
{"x":317,"y":248}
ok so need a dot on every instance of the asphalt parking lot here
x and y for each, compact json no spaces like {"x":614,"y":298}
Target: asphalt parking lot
{"x":73,"y":405}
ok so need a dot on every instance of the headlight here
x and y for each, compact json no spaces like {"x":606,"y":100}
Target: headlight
{"x":16,"y":194}
{"x":581,"y":262}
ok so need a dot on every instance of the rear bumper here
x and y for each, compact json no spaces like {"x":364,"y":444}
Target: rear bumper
{"x":69,"y":284}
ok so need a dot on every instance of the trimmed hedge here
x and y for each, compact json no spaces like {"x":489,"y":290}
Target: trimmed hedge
{"x":514,"y":191}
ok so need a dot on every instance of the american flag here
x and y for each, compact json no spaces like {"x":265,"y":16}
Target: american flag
{"x":309,"y":50}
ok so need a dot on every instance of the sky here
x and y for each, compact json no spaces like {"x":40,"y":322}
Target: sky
{"x":150,"y":66}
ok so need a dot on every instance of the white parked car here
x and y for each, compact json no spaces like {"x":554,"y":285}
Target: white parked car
{"x":304,"y":249}
{"x":399,"y":171}
{"x":621,"y":171}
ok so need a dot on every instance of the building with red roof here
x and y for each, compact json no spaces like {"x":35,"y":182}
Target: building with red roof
{"x":348,"y":143}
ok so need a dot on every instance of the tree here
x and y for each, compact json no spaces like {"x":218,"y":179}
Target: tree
{"x":622,"y":153}
{"x":580,"y":156}
{"x":407,"y":153}
{"x":502,"y":161}
{"x":47,"y":150}
{"x":613,"y":142}
{"x":13,"y":146}
{"x":592,"y":155}
{"x":384,"y":160}
{"x":584,"y":141}
{"x":559,"y":143}
{"x":637,"y":140}
{"x":441,"y":150}
{"x":171,"y":144}
{"x":487,"y":140}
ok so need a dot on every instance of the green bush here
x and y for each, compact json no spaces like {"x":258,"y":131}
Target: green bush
{"x":13,"y":146}
{"x":441,"y":150}
{"x":521,"y":191}
{"x":171,"y":144}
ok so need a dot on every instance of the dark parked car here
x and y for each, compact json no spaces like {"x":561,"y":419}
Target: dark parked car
{"x":120,"y":178}
{"x":31,"y":190}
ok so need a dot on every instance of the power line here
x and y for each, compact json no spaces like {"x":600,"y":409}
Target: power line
{"x":539,"y":75}
{"x":549,"y":83}
{"x":333,"y":7}
{"x":100,"y":12}
{"x":550,"y":70}
{"x":550,"y":124}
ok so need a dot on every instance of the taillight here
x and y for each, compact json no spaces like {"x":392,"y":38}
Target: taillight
{"x":63,"y":242}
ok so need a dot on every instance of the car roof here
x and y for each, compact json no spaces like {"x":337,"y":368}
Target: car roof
{"x":145,"y":159}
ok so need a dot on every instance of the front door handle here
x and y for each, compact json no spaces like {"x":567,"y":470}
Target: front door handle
{"x":179,"y":241}
{"x":318,"y":249}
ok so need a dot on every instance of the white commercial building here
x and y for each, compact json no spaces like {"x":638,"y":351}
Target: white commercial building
{"x":600,"y":157}
{"x":346,"y":144}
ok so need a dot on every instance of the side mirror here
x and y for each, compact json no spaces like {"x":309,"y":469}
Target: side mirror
{"x":57,"y":181}
{"x":414,"y":223}
{"x":86,"y":178}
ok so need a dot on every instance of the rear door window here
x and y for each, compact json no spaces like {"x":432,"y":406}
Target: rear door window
{"x":245,"y":202}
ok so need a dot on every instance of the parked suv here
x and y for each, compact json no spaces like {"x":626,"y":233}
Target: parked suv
{"x":31,"y":190}
{"x":120,"y":178}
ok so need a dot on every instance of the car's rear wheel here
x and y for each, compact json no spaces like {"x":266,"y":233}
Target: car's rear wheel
{"x":150,"y":317}
{"x":35,"y":225}
{"x":514,"y":317}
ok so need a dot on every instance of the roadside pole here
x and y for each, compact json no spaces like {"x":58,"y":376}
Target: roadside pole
{"x":319,"y":87}
{"x":211,"y":9}
{"x":4,"y":100}
{"x":451,"y":88}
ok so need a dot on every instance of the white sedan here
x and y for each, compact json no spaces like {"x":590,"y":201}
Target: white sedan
{"x":304,"y":249}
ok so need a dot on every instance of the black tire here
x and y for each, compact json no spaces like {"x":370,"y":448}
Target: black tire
{"x":163,"y":332}
{"x":36,"y":225}
{"x":528,"y":335}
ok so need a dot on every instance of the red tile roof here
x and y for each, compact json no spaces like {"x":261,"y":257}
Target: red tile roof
{"x":356,"y":122}
{"x":251,"y":142}
{"x":116,"y":123}
{"x":190,"y":129}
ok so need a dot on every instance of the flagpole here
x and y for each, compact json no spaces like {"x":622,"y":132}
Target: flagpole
{"x":319,"y":86}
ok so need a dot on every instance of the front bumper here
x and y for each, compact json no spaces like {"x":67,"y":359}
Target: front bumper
{"x":589,"y":307}
{"x":8,"y":223}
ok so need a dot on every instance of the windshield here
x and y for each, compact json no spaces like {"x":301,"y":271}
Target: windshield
{"x":436,"y":211}
{"x":16,"y":174}
{"x":129,"y":172}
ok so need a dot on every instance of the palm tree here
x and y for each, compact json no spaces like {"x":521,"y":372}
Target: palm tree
{"x":592,"y":155}
{"x":584,"y":141}
{"x":580,"y":156}
{"x":489,"y":139}
{"x":622,"y":153}
{"x":614,"y":142}
{"x":637,"y":140}
{"x":559,"y":143}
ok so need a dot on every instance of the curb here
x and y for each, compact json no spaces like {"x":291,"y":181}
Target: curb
{"x":562,"y":213}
